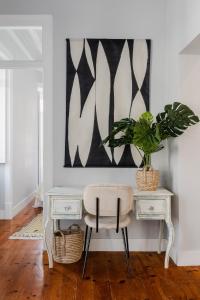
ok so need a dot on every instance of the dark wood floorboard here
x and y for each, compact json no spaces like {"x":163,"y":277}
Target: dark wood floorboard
{"x":24,"y":273}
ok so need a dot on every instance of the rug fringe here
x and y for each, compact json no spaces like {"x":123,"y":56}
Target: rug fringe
{"x":31,"y":231}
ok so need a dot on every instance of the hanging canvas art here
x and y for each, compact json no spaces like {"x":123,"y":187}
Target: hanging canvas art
{"x":107,"y":79}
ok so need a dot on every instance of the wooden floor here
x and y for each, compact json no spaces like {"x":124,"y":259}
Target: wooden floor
{"x":24,"y":273}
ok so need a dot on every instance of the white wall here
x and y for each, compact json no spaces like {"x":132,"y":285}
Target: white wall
{"x":19,"y":176}
{"x":189,"y":157}
{"x":108,"y":19}
{"x":182,"y":81}
{"x":171,"y":25}
{"x":25,"y":134}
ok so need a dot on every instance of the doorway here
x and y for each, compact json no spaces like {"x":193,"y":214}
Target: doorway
{"x":26,"y":55}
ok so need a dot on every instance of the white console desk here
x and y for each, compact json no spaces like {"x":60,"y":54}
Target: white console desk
{"x":65,"y":203}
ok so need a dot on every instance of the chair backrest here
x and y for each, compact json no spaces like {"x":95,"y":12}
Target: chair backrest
{"x":108,"y":195}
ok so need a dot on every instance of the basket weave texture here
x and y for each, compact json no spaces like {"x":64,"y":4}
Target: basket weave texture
{"x":68,"y":245}
{"x":147,"y":180}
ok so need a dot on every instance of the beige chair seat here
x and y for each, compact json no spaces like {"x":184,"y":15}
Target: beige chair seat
{"x":107,"y":222}
{"x":108,"y":207}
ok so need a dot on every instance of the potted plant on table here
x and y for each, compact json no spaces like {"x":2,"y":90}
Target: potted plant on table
{"x":147,"y":136}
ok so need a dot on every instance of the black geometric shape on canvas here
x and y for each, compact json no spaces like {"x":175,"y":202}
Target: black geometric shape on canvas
{"x":127,"y":159}
{"x":77,"y":161}
{"x":70,"y":74}
{"x":135,"y":87}
{"x":113,"y":48}
{"x":86,"y":79}
{"x":145,"y":85}
{"x":93,"y":44}
{"x":97,"y":151}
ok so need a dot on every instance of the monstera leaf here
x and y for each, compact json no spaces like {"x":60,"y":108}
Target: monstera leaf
{"x":175,"y":119}
{"x":146,"y":134}
{"x":122,"y":128}
{"x":147,"y":116}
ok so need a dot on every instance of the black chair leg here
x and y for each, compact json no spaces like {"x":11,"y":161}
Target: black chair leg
{"x":85,"y":241}
{"x":126,"y":248}
{"x":86,"y":253}
{"x":127,"y":244}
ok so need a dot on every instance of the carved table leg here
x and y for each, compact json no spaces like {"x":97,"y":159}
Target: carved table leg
{"x":48,"y":236}
{"x":160,"y":236}
{"x":170,"y":229}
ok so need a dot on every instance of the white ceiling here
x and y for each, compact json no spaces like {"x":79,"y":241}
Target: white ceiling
{"x":21,"y":43}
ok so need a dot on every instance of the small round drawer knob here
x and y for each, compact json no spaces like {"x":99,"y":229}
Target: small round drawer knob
{"x":151,"y":208}
{"x":67,"y":207}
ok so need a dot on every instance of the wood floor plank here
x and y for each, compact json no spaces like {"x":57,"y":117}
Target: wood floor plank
{"x":24,"y":273}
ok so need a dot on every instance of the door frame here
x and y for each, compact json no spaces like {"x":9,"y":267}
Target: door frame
{"x":46,"y":63}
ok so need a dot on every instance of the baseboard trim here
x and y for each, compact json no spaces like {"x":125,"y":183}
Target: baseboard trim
{"x":173,"y":254}
{"x":134,"y":245}
{"x":17,"y":208}
{"x":188,"y":258}
{"x":5,"y":214}
{"x":2,"y":214}
{"x":116,"y":245}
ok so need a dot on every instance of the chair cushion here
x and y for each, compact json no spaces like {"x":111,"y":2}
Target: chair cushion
{"x":108,"y":195}
{"x":107,"y":222}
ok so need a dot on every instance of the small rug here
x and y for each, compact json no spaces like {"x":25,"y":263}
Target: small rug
{"x":32,"y":231}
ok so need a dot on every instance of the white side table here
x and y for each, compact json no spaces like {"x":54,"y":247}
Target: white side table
{"x":156,"y":205}
{"x":63,"y":204}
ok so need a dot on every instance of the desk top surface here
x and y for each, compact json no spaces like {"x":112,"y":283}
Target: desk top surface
{"x":159,"y":192}
{"x":70,"y":190}
{"x":78,"y":191}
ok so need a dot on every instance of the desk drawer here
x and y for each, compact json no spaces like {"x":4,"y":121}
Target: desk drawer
{"x":150,"y":207}
{"x":66,"y":207}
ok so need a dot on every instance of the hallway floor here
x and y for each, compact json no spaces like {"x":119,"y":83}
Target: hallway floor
{"x":24,"y":273}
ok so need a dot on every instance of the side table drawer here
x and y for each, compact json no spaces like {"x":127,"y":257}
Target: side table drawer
{"x":66,"y":207}
{"x":151,"y":207}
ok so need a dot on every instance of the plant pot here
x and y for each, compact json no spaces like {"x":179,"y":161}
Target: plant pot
{"x":147,"y":180}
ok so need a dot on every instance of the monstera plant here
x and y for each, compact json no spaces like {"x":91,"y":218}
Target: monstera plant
{"x":147,"y":134}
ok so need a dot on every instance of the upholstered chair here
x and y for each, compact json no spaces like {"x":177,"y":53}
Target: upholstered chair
{"x":107,"y":207}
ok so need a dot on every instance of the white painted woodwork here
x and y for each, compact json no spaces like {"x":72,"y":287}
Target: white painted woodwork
{"x":156,"y":205}
{"x":66,"y":203}
{"x":62,"y":203}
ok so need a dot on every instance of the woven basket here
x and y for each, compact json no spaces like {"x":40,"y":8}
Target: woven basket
{"x":68,"y":245}
{"x":147,"y":180}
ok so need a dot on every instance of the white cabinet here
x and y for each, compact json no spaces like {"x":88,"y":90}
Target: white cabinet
{"x":156,"y":205}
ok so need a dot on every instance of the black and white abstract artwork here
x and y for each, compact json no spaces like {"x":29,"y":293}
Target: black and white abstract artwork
{"x":107,"y":80}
